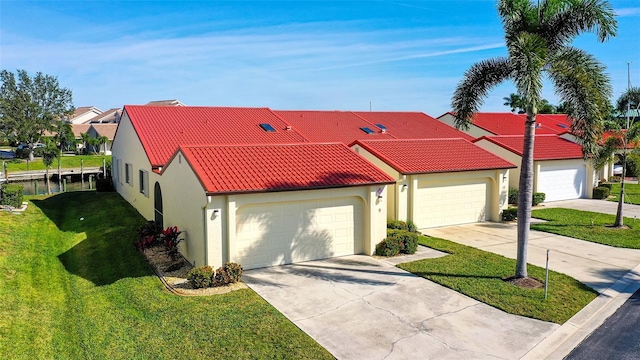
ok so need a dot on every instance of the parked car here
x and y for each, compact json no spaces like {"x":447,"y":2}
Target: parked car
{"x":35,"y":146}
{"x":617,"y":169}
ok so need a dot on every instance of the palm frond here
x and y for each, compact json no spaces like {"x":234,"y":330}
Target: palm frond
{"x":581,"y":82}
{"x":568,"y":19}
{"x":632,"y":96}
{"x":474,"y":87}
{"x":528,"y":56}
{"x":605,"y":152}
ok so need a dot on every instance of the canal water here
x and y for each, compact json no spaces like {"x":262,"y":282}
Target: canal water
{"x":30,"y":186}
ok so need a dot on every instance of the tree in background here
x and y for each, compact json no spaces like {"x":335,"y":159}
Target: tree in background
{"x":30,"y":106}
{"x":515,"y":102}
{"x":65,"y":137}
{"x":538,"y":36}
{"x":622,"y":142}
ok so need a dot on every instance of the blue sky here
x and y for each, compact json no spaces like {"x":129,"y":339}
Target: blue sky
{"x":343,"y":55}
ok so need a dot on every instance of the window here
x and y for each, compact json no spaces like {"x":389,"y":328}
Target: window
{"x":144,"y":183}
{"x":128,"y":170}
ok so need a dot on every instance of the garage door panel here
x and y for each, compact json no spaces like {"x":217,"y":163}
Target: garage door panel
{"x":282,"y":233}
{"x":562,"y":182}
{"x":451,"y":203}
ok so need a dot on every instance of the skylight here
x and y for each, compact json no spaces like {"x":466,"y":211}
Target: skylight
{"x":380,"y":126}
{"x":367,"y":130}
{"x":267,"y":128}
{"x":563,"y":126}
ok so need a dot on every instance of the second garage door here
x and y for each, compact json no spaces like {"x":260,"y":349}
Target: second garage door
{"x":562,"y":182}
{"x":288,"y":232}
{"x":451,"y":203}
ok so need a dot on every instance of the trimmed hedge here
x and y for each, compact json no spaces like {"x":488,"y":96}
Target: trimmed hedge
{"x":200,"y":277}
{"x":538,"y":198}
{"x":510,"y":214}
{"x":513,"y":196}
{"x":397,"y":242}
{"x":12,"y":195}
{"x":104,"y":185}
{"x":606,"y":185}
{"x":401,"y":225}
{"x":601,"y":192}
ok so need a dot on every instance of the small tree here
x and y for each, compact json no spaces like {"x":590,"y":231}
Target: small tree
{"x":49,"y":153}
{"x":29,"y":106}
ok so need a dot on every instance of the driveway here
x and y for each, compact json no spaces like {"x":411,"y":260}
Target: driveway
{"x":600,"y":206}
{"x":596,"y":265}
{"x":359,"y":307}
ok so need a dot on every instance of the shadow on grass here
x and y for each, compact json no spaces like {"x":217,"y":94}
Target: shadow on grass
{"x":109,"y":223}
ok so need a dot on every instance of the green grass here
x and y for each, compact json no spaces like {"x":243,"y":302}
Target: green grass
{"x":479,"y":274}
{"x":589,"y":226}
{"x":631,"y":191}
{"x":74,"y":289}
{"x":66,"y":162}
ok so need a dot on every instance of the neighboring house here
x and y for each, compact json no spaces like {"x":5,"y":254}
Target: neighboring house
{"x":245,"y":187}
{"x":560,"y":170}
{"x":440,"y":182}
{"x":489,"y":124}
{"x":106,"y":130}
{"x":83,"y":115}
{"x":173,"y":102}
{"x":109,"y":116}
{"x":78,"y":130}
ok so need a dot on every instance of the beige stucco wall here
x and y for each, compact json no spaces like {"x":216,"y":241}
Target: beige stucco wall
{"x":474,"y":131}
{"x":127,"y":147}
{"x":514,"y":174}
{"x":395,"y":191}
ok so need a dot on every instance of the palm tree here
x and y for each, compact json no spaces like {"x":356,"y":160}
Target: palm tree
{"x":514,"y":101}
{"x":538,"y":39}
{"x":49,"y":153}
{"x":623,"y":143}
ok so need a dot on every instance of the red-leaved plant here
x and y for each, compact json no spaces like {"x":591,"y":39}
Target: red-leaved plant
{"x":171,"y":239}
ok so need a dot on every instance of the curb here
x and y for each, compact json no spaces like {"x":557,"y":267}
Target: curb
{"x":562,"y":341}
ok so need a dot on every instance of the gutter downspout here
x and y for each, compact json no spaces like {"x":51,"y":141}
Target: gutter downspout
{"x":205,"y":228}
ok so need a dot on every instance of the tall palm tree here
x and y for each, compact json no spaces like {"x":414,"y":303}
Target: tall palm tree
{"x":514,"y":101}
{"x":622,"y":142}
{"x":538,"y":38}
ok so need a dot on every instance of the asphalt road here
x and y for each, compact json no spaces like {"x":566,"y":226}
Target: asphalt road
{"x":618,"y":338}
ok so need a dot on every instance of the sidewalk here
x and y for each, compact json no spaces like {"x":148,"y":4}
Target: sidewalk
{"x":601,"y":206}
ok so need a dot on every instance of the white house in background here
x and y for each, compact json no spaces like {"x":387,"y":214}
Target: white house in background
{"x":109,"y":116}
{"x":83,"y":115}
{"x":559,"y":168}
{"x":106,"y":130}
{"x":246,"y":187}
{"x":440,"y":182}
{"x":173,"y":102}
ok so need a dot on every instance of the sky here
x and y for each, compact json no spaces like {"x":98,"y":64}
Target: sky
{"x":317,"y":55}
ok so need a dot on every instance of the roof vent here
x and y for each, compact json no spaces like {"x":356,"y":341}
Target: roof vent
{"x":538,"y":125}
{"x":267,"y":128}
{"x":367,"y":130}
{"x":288,"y":127}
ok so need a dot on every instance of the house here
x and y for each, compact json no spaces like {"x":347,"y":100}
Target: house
{"x":490,"y":124}
{"x":173,"y":102}
{"x":78,"y":130}
{"x":109,"y":116}
{"x":440,"y":182}
{"x":245,"y":187}
{"x":83,"y":115}
{"x":106,"y":130}
{"x":560,"y":170}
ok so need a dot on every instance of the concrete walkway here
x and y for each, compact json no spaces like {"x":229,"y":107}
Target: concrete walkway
{"x":359,"y":307}
{"x":600,"y":206}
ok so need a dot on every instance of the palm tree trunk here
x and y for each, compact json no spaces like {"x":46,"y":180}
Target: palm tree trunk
{"x":619,"y":218}
{"x":525,"y":194}
{"x":48,"y":183}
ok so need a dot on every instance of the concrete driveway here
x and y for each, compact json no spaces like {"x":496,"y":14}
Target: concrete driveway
{"x":359,"y":307}
{"x":599,"y":206}
{"x":598,"y":266}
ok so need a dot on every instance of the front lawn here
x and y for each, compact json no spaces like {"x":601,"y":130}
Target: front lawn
{"x":631,"y":191}
{"x":589,"y":226}
{"x":479,"y":274}
{"x":73,"y":286}
{"x":66,"y":162}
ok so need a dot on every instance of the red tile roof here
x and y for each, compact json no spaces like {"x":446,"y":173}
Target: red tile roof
{"x":330,"y":126}
{"x":608,"y":134}
{"x":509,"y":124}
{"x":434,"y":155}
{"x":162,"y":129}
{"x":412,"y":125}
{"x":259,"y":168}
{"x":545,"y":147}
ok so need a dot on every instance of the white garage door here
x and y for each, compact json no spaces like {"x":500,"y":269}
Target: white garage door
{"x":562,"y":182}
{"x":451,"y":203}
{"x":289,"y":232}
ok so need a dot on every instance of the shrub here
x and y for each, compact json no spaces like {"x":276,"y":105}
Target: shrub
{"x":606,"y":185}
{"x":221,"y":277}
{"x":513,"y":196}
{"x":510,"y":214}
{"x":388,"y":247}
{"x":397,"y":224}
{"x":104,"y":185}
{"x":149,"y":235}
{"x":538,"y":198}
{"x":171,"y":239}
{"x":411,"y":226}
{"x":200,"y":277}
{"x":601,"y":192}
{"x":234,"y":271}
{"x":12,"y":195}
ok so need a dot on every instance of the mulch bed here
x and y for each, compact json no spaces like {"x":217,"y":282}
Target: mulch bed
{"x":173,"y":274}
{"x":527,"y":283}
